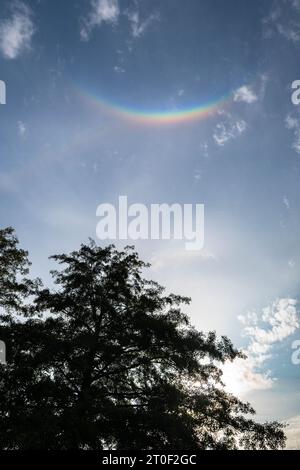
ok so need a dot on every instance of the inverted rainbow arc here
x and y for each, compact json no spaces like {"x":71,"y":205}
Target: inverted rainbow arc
{"x":191,"y":113}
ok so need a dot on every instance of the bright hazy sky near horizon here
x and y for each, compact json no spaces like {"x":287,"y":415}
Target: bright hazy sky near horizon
{"x":82,"y":77}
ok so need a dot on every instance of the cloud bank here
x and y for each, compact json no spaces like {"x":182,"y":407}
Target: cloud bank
{"x":277,"y":322}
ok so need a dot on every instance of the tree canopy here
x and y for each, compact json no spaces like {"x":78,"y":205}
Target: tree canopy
{"x":108,"y":360}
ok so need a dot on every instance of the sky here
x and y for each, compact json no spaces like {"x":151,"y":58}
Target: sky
{"x":167,"y":102}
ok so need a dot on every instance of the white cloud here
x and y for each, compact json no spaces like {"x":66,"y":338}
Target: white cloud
{"x":16,"y":32}
{"x":291,"y":263}
{"x":22,"y":129}
{"x":197,"y":175}
{"x":293,"y":124}
{"x":240,"y":377}
{"x":280,"y":320}
{"x":226,"y":131}
{"x":245,"y":94}
{"x":102,"y":11}
{"x":286,"y":202}
{"x":138,"y":27}
{"x":119,"y":69}
{"x":293,"y":433}
{"x":276,"y":323}
{"x":205,"y":149}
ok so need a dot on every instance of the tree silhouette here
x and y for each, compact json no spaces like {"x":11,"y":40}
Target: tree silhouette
{"x":108,"y":360}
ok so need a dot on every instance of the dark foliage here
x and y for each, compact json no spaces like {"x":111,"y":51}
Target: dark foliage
{"x":108,"y":360}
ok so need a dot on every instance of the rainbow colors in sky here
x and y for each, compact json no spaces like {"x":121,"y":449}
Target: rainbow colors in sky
{"x":174,"y":116}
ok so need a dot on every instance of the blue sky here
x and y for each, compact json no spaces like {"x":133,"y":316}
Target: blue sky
{"x":62,"y":152}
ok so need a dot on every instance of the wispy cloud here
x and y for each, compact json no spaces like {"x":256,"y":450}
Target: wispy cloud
{"x":272,"y":326}
{"x":227,"y":130}
{"x":291,"y":263}
{"x":102,"y":11}
{"x":22,"y":129}
{"x":283,"y":19}
{"x":171,"y":258}
{"x":16,"y":32}
{"x":138,"y":26}
{"x":286,"y":203}
{"x":290,"y":32}
{"x":109,"y":11}
{"x":293,"y":124}
{"x":119,"y":69}
{"x":232,"y":126}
